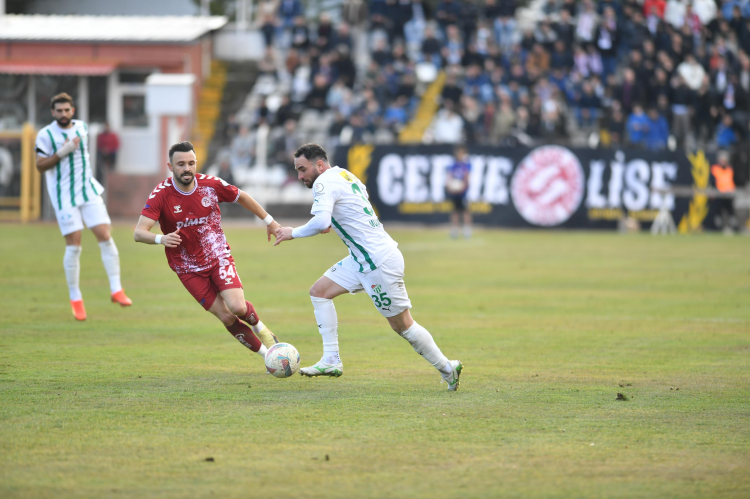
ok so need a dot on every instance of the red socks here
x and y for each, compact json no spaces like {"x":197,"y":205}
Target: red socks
{"x":244,"y":334}
{"x":251,"y":317}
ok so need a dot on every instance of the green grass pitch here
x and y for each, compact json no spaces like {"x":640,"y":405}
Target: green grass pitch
{"x":551,"y":326}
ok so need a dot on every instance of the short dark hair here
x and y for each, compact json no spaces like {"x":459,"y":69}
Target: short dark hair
{"x":180,"y":147}
{"x":311,"y":152}
{"x":61,"y":98}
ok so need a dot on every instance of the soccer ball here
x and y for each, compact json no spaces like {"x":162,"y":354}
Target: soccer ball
{"x":282,"y":360}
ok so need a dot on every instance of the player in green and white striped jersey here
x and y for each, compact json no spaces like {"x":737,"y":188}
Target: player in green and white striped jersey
{"x":374,"y":265}
{"x":62,"y":153}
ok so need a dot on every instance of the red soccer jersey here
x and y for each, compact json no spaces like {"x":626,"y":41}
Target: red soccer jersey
{"x":197,"y":215}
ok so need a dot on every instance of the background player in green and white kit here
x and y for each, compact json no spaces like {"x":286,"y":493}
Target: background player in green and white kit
{"x":374,"y":265}
{"x":62,"y":152}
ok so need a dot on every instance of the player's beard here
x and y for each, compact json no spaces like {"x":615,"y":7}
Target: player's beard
{"x":312,"y":181}
{"x":181,"y":179}
{"x":63,"y":122}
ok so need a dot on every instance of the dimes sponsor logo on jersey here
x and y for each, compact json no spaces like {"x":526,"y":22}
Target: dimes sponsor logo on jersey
{"x":547,"y":187}
{"x":189,"y":222}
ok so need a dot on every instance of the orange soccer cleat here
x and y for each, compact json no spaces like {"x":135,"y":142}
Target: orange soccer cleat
{"x":78,"y":311}
{"x":121,"y":298}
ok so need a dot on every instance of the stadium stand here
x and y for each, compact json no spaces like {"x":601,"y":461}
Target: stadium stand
{"x":656,"y":75}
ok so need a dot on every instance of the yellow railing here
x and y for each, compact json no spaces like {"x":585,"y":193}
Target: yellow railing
{"x":29,"y":203}
{"x":414,"y":130}
{"x":209,"y":110}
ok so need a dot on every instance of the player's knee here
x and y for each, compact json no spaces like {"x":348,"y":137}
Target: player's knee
{"x":317,"y":291}
{"x":73,"y":239}
{"x":323,"y":289}
{"x":237,"y":308}
{"x":102,"y":233}
{"x":225,"y":316}
{"x":401,"y":322}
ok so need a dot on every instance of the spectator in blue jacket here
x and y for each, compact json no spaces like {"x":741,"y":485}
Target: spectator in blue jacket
{"x":288,"y":10}
{"x":728,"y":7}
{"x":396,"y":114}
{"x":477,"y":84}
{"x":658,"y":131}
{"x":637,"y":126}
{"x":725,"y":134}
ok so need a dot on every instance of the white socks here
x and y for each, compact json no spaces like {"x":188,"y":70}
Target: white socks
{"x":72,"y":265}
{"x":422,"y":342}
{"x":257,"y":328}
{"x":262,"y":351}
{"x":325,"y":315}
{"x":111,"y":261}
{"x":419,"y":338}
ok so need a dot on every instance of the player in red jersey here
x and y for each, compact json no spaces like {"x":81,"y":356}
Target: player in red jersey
{"x":187,"y":208}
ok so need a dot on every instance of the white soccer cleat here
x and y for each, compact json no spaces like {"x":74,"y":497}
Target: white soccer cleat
{"x":323,"y":369}
{"x":452,"y":378}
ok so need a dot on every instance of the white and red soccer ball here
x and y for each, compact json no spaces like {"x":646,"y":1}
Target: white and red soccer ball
{"x":282,"y":360}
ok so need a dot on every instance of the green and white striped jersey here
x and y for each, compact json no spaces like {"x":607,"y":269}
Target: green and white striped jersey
{"x":70,"y":182}
{"x":340,"y":193}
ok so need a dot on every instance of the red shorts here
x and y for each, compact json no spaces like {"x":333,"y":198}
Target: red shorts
{"x":206,"y":284}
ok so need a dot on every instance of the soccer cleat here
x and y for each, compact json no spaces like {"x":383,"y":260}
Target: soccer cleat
{"x":121,"y":298}
{"x":323,"y":369}
{"x":452,"y":378}
{"x":267,"y":337}
{"x":79,"y":312}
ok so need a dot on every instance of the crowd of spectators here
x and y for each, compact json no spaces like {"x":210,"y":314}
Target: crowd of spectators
{"x":649,"y":74}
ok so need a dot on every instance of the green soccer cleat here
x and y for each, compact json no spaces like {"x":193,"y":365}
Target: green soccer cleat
{"x":323,"y":369}
{"x":452,"y":378}
{"x":267,"y":337}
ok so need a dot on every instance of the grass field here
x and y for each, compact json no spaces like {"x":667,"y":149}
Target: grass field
{"x":551,"y":326}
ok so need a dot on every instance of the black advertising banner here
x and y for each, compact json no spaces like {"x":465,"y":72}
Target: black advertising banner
{"x":546,"y":186}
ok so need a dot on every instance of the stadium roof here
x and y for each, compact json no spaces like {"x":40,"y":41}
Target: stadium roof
{"x":155,"y":29}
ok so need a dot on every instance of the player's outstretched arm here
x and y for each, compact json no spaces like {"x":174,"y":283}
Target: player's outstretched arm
{"x":283,"y":234}
{"x":144,"y":235}
{"x":246,"y":201}
{"x":319,"y":224}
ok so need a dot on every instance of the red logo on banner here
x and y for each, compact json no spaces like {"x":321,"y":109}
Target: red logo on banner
{"x":547,"y":187}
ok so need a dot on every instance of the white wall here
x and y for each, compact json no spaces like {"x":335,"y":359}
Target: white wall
{"x":139,"y":147}
{"x":233,"y":45}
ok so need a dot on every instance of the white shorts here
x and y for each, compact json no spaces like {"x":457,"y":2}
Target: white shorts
{"x":385,"y":284}
{"x":92,"y":213}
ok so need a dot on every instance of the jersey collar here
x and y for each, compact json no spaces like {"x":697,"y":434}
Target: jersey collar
{"x":183,"y":192}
